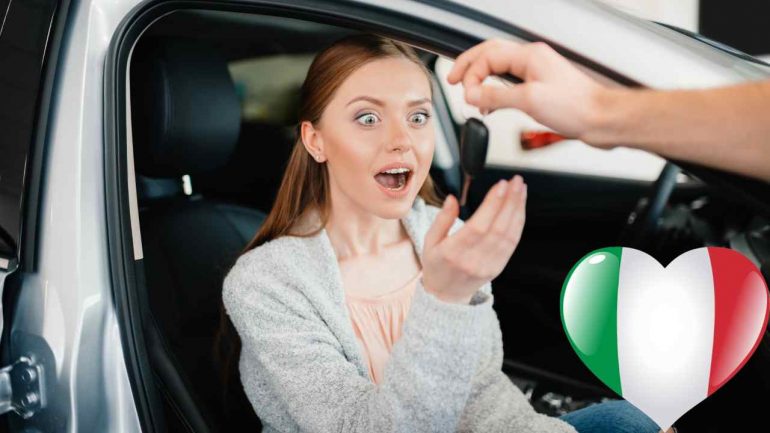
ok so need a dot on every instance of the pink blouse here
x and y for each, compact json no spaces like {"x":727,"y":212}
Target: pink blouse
{"x":377,"y":322}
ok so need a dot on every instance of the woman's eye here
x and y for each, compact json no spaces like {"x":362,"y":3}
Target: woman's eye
{"x":422,"y":117}
{"x":367,"y":119}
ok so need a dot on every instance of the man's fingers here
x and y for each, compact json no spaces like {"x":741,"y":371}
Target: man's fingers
{"x":476,"y":72}
{"x":493,"y":97}
{"x":479,"y":53}
{"x":463,"y":61}
{"x":494,"y":58}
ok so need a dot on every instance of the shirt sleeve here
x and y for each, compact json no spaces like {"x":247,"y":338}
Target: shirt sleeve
{"x":290,"y":357}
{"x":495,"y":403}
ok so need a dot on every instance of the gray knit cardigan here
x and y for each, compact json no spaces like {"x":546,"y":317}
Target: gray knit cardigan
{"x":303,"y":371}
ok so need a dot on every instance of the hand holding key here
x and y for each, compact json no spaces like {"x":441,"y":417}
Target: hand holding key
{"x":456,"y":266}
{"x":554,"y":92}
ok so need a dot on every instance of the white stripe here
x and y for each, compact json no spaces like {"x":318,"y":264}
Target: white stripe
{"x":665,"y":332}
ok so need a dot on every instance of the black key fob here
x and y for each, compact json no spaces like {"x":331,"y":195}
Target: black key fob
{"x":474,"y":140}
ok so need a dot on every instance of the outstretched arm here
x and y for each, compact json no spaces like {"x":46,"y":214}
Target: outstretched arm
{"x":725,"y":127}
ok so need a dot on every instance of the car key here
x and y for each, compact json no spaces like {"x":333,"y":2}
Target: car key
{"x":474,"y":139}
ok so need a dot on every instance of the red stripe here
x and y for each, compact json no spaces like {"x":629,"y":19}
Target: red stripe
{"x":741,"y":303}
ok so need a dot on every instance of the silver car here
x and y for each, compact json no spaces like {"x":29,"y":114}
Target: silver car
{"x":141,"y":145}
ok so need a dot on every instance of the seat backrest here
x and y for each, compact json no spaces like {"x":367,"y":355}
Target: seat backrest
{"x":254,"y":173}
{"x":186,"y":120}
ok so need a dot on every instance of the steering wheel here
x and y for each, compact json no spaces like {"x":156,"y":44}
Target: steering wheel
{"x":644,"y":219}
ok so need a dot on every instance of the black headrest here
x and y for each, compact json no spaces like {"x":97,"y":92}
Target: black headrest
{"x":150,"y":190}
{"x":184,"y":108}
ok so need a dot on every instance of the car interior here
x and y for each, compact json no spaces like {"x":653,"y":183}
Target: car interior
{"x":209,"y":156}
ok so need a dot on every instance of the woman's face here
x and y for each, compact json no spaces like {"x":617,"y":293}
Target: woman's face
{"x":379,"y":118}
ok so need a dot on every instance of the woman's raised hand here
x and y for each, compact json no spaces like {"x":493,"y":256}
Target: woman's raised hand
{"x":456,"y":266}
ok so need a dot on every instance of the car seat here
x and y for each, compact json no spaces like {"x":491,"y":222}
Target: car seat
{"x":186,"y":120}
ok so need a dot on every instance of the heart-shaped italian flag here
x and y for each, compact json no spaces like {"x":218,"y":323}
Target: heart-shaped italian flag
{"x":664,"y":338}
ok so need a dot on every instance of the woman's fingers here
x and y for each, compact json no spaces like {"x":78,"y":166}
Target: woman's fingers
{"x":497,"y":245}
{"x":482,"y":247}
{"x":489,"y":208}
{"x":502,"y":223}
{"x":498,"y":207}
{"x":517,"y":222}
{"x":442,"y":223}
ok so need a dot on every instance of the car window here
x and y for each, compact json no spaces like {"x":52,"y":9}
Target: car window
{"x":24,"y":35}
{"x":269,"y":86}
{"x":568,"y":156}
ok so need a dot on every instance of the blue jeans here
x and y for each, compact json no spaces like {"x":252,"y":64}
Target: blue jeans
{"x":617,"y":416}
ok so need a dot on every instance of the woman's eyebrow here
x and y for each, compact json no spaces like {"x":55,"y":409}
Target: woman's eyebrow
{"x":380,"y":103}
{"x":420,"y":101}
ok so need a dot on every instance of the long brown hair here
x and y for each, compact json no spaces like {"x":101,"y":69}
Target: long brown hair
{"x":305,"y":183}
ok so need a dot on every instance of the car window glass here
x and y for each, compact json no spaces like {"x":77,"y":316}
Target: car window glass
{"x":23,"y":37}
{"x":269,"y":86}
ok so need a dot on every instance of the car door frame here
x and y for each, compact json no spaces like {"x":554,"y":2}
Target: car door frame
{"x":16,"y":343}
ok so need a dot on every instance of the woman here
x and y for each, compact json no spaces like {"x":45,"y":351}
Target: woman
{"x":361,"y":305}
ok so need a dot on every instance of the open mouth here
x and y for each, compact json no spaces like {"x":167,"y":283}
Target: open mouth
{"x":395,"y":179}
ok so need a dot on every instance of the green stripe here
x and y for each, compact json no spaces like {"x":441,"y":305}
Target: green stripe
{"x":590,"y":298}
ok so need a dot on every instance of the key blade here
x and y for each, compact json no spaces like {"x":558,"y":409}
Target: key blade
{"x":466,"y":187}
